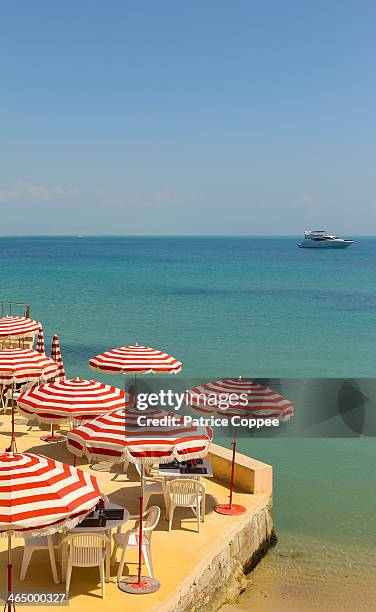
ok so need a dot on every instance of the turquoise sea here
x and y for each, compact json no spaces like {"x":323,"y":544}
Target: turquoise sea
{"x":257,"y":307}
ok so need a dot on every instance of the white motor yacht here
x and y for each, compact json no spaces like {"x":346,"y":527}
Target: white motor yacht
{"x":323,"y":240}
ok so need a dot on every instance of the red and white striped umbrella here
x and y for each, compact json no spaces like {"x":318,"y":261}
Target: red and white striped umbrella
{"x":56,"y":356}
{"x":117,"y":437}
{"x":135,"y":359}
{"x":239,"y":397}
{"x":18,"y":326}
{"x":39,"y":494}
{"x":40,"y":342}
{"x":22,"y":365}
{"x":70,"y":400}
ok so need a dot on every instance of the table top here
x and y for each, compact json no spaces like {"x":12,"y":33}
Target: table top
{"x":110,"y":524}
{"x":177,"y":472}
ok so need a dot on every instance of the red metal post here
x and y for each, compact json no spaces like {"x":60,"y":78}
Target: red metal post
{"x":232,"y":468}
{"x":13,"y":439}
{"x":140,"y":541}
{"x":13,"y":445}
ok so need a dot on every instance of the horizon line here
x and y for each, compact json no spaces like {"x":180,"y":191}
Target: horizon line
{"x":77,"y":235}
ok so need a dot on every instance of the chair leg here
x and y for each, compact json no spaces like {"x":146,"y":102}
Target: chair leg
{"x":146,"y":551}
{"x":52,"y":560}
{"x":69,"y":576}
{"x":101,"y":571}
{"x":113,"y":556}
{"x":28,"y":551}
{"x":107,"y":561}
{"x":198,"y":515}
{"x":122,"y":562}
{"x":146,"y":499}
{"x":171,"y":511}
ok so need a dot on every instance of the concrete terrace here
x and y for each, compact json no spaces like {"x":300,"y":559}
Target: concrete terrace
{"x":203,"y":568}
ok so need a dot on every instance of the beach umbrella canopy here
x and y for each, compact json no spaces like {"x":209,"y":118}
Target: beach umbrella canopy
{"x":20,"y":365}
{"x":117,"y":437}
{"x":39,"y":495}
{"x":231,"y":397}
{"x":40,"y":342}
{"x":56,"y":356}
{"x":70,"y":400}
{"x":239,"y":397}
{"x":18,"y":326}
{"x":135,"y":359}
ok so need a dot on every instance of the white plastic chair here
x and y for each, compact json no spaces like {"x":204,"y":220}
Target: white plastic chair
{"x":151,"y":485}
{"x":185,"y":493}
{"x":130,"y":539}
{"x":7,"y":397}
{"x":22,"y":389}
{"x":86,"y":550}
{"x":31,"y":422}
{"x":2,"y":398}
{"x":41,"y":543}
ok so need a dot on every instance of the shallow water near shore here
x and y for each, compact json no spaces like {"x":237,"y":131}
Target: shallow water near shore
{"x":236,"y":306}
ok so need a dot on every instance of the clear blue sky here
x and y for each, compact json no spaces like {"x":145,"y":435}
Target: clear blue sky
{"x":187,"y":117}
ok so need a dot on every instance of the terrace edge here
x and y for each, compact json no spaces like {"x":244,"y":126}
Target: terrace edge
{"x":221,"y":577}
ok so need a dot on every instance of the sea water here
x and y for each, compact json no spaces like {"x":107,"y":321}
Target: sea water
{"x":254,"y":306}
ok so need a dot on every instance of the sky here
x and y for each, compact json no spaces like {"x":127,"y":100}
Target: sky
{"x":199,"y":117}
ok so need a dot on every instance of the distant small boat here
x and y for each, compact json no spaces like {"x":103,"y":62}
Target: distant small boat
{"x":322,"y":240}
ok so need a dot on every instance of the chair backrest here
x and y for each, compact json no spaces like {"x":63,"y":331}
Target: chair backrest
{"x":26,"y":386}
{"x":184,"y":491}
{"x":149,"y":522}
{"x":86,"y":549}
{"x":151,"y":518}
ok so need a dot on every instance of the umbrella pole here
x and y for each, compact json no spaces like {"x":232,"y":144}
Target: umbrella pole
{"x":13,"y":445}
{"x":9,"y":605}
{"x":134,"y":391}
{"x":232,"y":468}
{"x":139,"y":584}
{"x":231,"y":509}
{"x":140,"y":540}
{"x":51,"y":437}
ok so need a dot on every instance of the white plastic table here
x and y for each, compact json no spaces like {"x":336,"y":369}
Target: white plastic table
{"x":110,"y":525}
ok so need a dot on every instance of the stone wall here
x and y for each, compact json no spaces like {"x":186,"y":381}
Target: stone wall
{"x":221,"y":579}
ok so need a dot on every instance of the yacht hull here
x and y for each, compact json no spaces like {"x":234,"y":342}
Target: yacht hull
{"x":325,"y":245}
